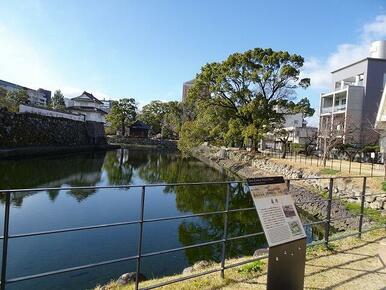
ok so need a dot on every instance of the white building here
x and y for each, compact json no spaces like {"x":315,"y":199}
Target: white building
{"x":89,"y":106}
{"x":348,"y":112}
{"x":297,"y":129}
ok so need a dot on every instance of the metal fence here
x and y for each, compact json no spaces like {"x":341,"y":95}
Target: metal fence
{"x":141,"y":221}
{"x":361,"y":166}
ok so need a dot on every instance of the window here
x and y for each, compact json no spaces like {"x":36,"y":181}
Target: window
{"x":337,"y":102}
{"x":344,"y":102}
{"x":384,"y":80}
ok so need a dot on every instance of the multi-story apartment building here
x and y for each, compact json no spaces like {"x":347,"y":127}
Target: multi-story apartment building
{"x":348,"y":112}
{"x":39,"y":97}
{"x":298,"y":132}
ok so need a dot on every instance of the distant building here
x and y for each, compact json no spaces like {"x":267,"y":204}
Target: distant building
{"x":39,"y":97}
{"x":349,"y":111}
{"x":298,"y":132}
{"x":139,"y":129}
{"x":185,"y":89}
{"x":88,"y":105}
{"x":107,"y":105}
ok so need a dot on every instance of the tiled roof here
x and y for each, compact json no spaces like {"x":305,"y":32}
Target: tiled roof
{"x":91,"y":96}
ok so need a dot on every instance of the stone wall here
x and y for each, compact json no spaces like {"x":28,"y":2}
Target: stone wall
{"x":23,"y":130}
{"x":306,"y":193}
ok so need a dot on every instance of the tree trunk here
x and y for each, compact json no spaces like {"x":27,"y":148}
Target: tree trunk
{"x":284,"y":150}
{"x":325,"y":152}
{"x":123,"y":127}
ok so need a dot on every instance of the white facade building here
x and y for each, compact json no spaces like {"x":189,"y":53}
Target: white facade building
{"x":298,"y":132}
{"x":348,"y":113}
{"x":87,"y":105}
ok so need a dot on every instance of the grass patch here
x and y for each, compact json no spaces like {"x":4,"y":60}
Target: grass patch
{"x":372,"y":214}
{"x":328,"y":171}
{"x":384,"y":185}
{"x":254,"y":267}
{"x":321,"y":249}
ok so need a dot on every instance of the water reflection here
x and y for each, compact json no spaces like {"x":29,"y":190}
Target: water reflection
{"x":36,"y":212}
{"x":52,"y":171}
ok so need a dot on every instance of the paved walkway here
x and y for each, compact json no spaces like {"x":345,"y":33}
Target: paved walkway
{"x":355,"y":265}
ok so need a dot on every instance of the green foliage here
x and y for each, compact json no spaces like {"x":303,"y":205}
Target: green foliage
{"x":318,"y":250}
{"x":57,"y":102}
{"x":372,"y":214}
{"x":384,"y":185}
{"x":254,"y":267}
{"x":371,"y":148}
{"x":163,"y":118}
{"x":328,"y":171}
{"x":237,"y":99}
{"x":12,"y":99}
{"x":296,"y":148}
{"x":122,"y":114}
{"x":303,"y":106}
{"x":191,"y":135}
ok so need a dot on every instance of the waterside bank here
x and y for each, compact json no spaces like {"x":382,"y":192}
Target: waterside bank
{"x":308,"y":194}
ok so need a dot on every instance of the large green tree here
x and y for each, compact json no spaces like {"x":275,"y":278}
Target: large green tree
{"x":57,"y":102}
{"x":163,"y":117}
{"x":122,"y":114}
{"x":152,"y":114}
{"x":236,"y":100}
{"x":12,"y":99}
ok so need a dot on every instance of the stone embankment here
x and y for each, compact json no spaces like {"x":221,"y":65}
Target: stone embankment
{"x":307,"y":193}
{"x":132,"y":141}
{"x":25,"y":129}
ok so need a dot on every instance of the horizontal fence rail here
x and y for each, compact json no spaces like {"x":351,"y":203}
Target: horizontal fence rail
{"x":141,"y":221}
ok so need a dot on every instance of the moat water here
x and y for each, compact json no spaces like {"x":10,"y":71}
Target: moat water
{"x":57,"y":209}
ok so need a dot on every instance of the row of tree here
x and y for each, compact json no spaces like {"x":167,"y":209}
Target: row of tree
{"x":164,"y":118}
{"x":235,"y":102}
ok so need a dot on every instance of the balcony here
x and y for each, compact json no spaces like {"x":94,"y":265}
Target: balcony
{"x":340,"y":108}
{"x":335,"y":109}
{"x":327,"y":110}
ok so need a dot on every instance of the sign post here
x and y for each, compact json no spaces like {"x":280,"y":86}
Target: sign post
{"x":283,"y":230}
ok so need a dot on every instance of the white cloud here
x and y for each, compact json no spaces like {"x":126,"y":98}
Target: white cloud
{"x":319,"y":69}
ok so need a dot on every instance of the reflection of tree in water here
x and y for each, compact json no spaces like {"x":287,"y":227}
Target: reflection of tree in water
{"x":210,"y":228}
{"x":51,"y":171}
{"x":120,"y":164}
{"x":205,"y":198}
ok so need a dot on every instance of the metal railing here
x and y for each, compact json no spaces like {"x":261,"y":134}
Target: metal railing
{"x":364,"y":165}
{"x":141,"y":221}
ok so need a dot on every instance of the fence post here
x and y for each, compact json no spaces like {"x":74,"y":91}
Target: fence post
{"x":360,"y":166}
{"x":340,"y":164}
{"x":288,"y":181}
{"x":140,"y":237}
{"x":225,"y":233}
{"x":332,"y":163}
{"x":5,"y":241}
{"x":372,"y":166}
{"x":328,"y":218}
{"x":349,"y":165}
{"x":362,"y":207}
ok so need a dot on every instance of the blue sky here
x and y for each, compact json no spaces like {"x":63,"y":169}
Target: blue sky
{"x":147,"y":49}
